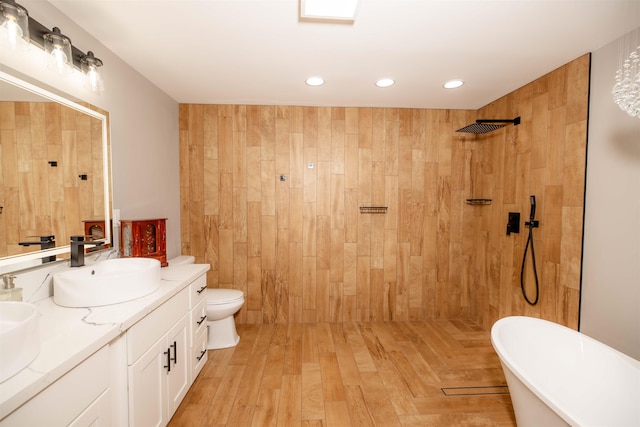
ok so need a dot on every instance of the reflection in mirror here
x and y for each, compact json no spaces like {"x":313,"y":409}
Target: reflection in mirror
{"x":54,"y":180}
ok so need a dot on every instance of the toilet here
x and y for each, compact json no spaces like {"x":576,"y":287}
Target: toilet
{"x":222,"y":304}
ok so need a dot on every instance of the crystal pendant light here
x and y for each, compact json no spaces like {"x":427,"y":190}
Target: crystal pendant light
{"x":92,"y":69}
{"x":14,"y":26}
{"x":58,"y":49}
{"x":626,"y":91}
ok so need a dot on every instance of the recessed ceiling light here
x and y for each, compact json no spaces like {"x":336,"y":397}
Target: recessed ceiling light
{"x":343,"y":10}
{"x":452,"y":84}
{"x":315,"y":81}
{"x":385,"y":82}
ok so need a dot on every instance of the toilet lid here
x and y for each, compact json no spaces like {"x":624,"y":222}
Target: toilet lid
{"x":223,"y":296}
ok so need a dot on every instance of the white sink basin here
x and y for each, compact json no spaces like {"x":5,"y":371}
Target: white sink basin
{"x":19,"y":342}
{"x":106,"y":282}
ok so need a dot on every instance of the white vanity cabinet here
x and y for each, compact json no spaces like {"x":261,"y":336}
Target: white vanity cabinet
{"x":119,"y":365}
{"x":166,"y":351}
{"x":158,"y":356}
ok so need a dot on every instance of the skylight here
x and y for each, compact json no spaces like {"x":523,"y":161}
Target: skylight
{"x":344,"y":10}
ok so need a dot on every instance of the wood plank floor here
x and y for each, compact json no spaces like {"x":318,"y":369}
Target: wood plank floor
{"x":352,"y":374}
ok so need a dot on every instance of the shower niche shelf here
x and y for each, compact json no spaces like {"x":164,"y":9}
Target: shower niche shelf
{"x":478,"y":201}
{"x":373,"y":209}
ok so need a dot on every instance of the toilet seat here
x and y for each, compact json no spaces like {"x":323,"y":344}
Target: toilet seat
{"x":223,"y":296}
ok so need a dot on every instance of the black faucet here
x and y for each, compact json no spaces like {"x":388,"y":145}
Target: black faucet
{"x":45,"y":242}
{"x":77,"y":249}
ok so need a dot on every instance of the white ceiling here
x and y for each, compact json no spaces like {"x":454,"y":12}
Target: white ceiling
{"x":259,"y":52}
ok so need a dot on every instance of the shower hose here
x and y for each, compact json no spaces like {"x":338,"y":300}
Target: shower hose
{"x":535,"y":271}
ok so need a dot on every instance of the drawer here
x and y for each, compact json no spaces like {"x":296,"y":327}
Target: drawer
{"x":97,"y":414}
{"x":145,"y":333}
{"x":198,"y":320}
{"x":198,"y":290}
{"x":199,"y":353}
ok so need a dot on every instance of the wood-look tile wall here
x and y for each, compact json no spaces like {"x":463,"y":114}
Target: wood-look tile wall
{"x":301,"y":250}
{"x":544,"y":156}
{"x":39,"y":199}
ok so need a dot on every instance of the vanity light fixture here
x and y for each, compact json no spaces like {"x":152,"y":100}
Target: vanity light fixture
{"x":14,"y":25}
{"x":452,"y":84}
{"x":315,"y":81}
{"x":18,"y":28}
{"x":386,"y":82}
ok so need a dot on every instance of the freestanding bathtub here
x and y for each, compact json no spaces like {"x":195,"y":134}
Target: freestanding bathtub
{"x":559,"y":377}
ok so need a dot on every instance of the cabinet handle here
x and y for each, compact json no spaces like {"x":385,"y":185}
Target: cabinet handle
{"x":175,"y":353}
{"x":168,"y":365}
{"x":202,"y":353}
{"x":199,"y":291}
{"x":202,"y":319}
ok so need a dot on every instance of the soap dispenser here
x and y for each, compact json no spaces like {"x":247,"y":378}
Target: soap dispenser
{"x":9,"y":292}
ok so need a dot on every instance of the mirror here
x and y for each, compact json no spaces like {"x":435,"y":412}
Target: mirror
{"x":54,"y":181}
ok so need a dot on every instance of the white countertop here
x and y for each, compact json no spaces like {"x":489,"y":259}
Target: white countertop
{"x":70,"y":335}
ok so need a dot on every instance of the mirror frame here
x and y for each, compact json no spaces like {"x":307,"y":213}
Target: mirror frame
{"x":20,"y":258}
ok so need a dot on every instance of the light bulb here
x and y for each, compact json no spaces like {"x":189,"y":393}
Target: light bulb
{"x":58,"y":49}
{"x":14,"y":26}
{"x":58,"y":60}
{"x":11,"y":33}
{"x":94,"y":80}
{"x":92,"y":69}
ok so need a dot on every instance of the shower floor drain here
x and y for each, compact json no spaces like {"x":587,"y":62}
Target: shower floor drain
{"x":475,"y":391}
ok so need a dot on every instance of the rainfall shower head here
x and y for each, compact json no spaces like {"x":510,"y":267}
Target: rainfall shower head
{"x":488,"y":125}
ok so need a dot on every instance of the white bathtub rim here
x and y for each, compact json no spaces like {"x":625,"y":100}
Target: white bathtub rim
{"x":518,"y":373}
{"x":569,"y":416}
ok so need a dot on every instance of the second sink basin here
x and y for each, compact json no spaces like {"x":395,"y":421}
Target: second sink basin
{"x":106,"y":282}
{"x":19,"y":343}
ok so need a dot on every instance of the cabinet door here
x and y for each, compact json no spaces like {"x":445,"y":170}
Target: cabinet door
{"x":178,"y":380}
{"x":150,"y":238}
{"x":147,"y":387}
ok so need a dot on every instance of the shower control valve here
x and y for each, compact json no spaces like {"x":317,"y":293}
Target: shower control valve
{"x":513,"y":224}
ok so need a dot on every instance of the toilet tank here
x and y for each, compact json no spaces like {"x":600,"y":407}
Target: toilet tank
{"x":182,"y":260}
